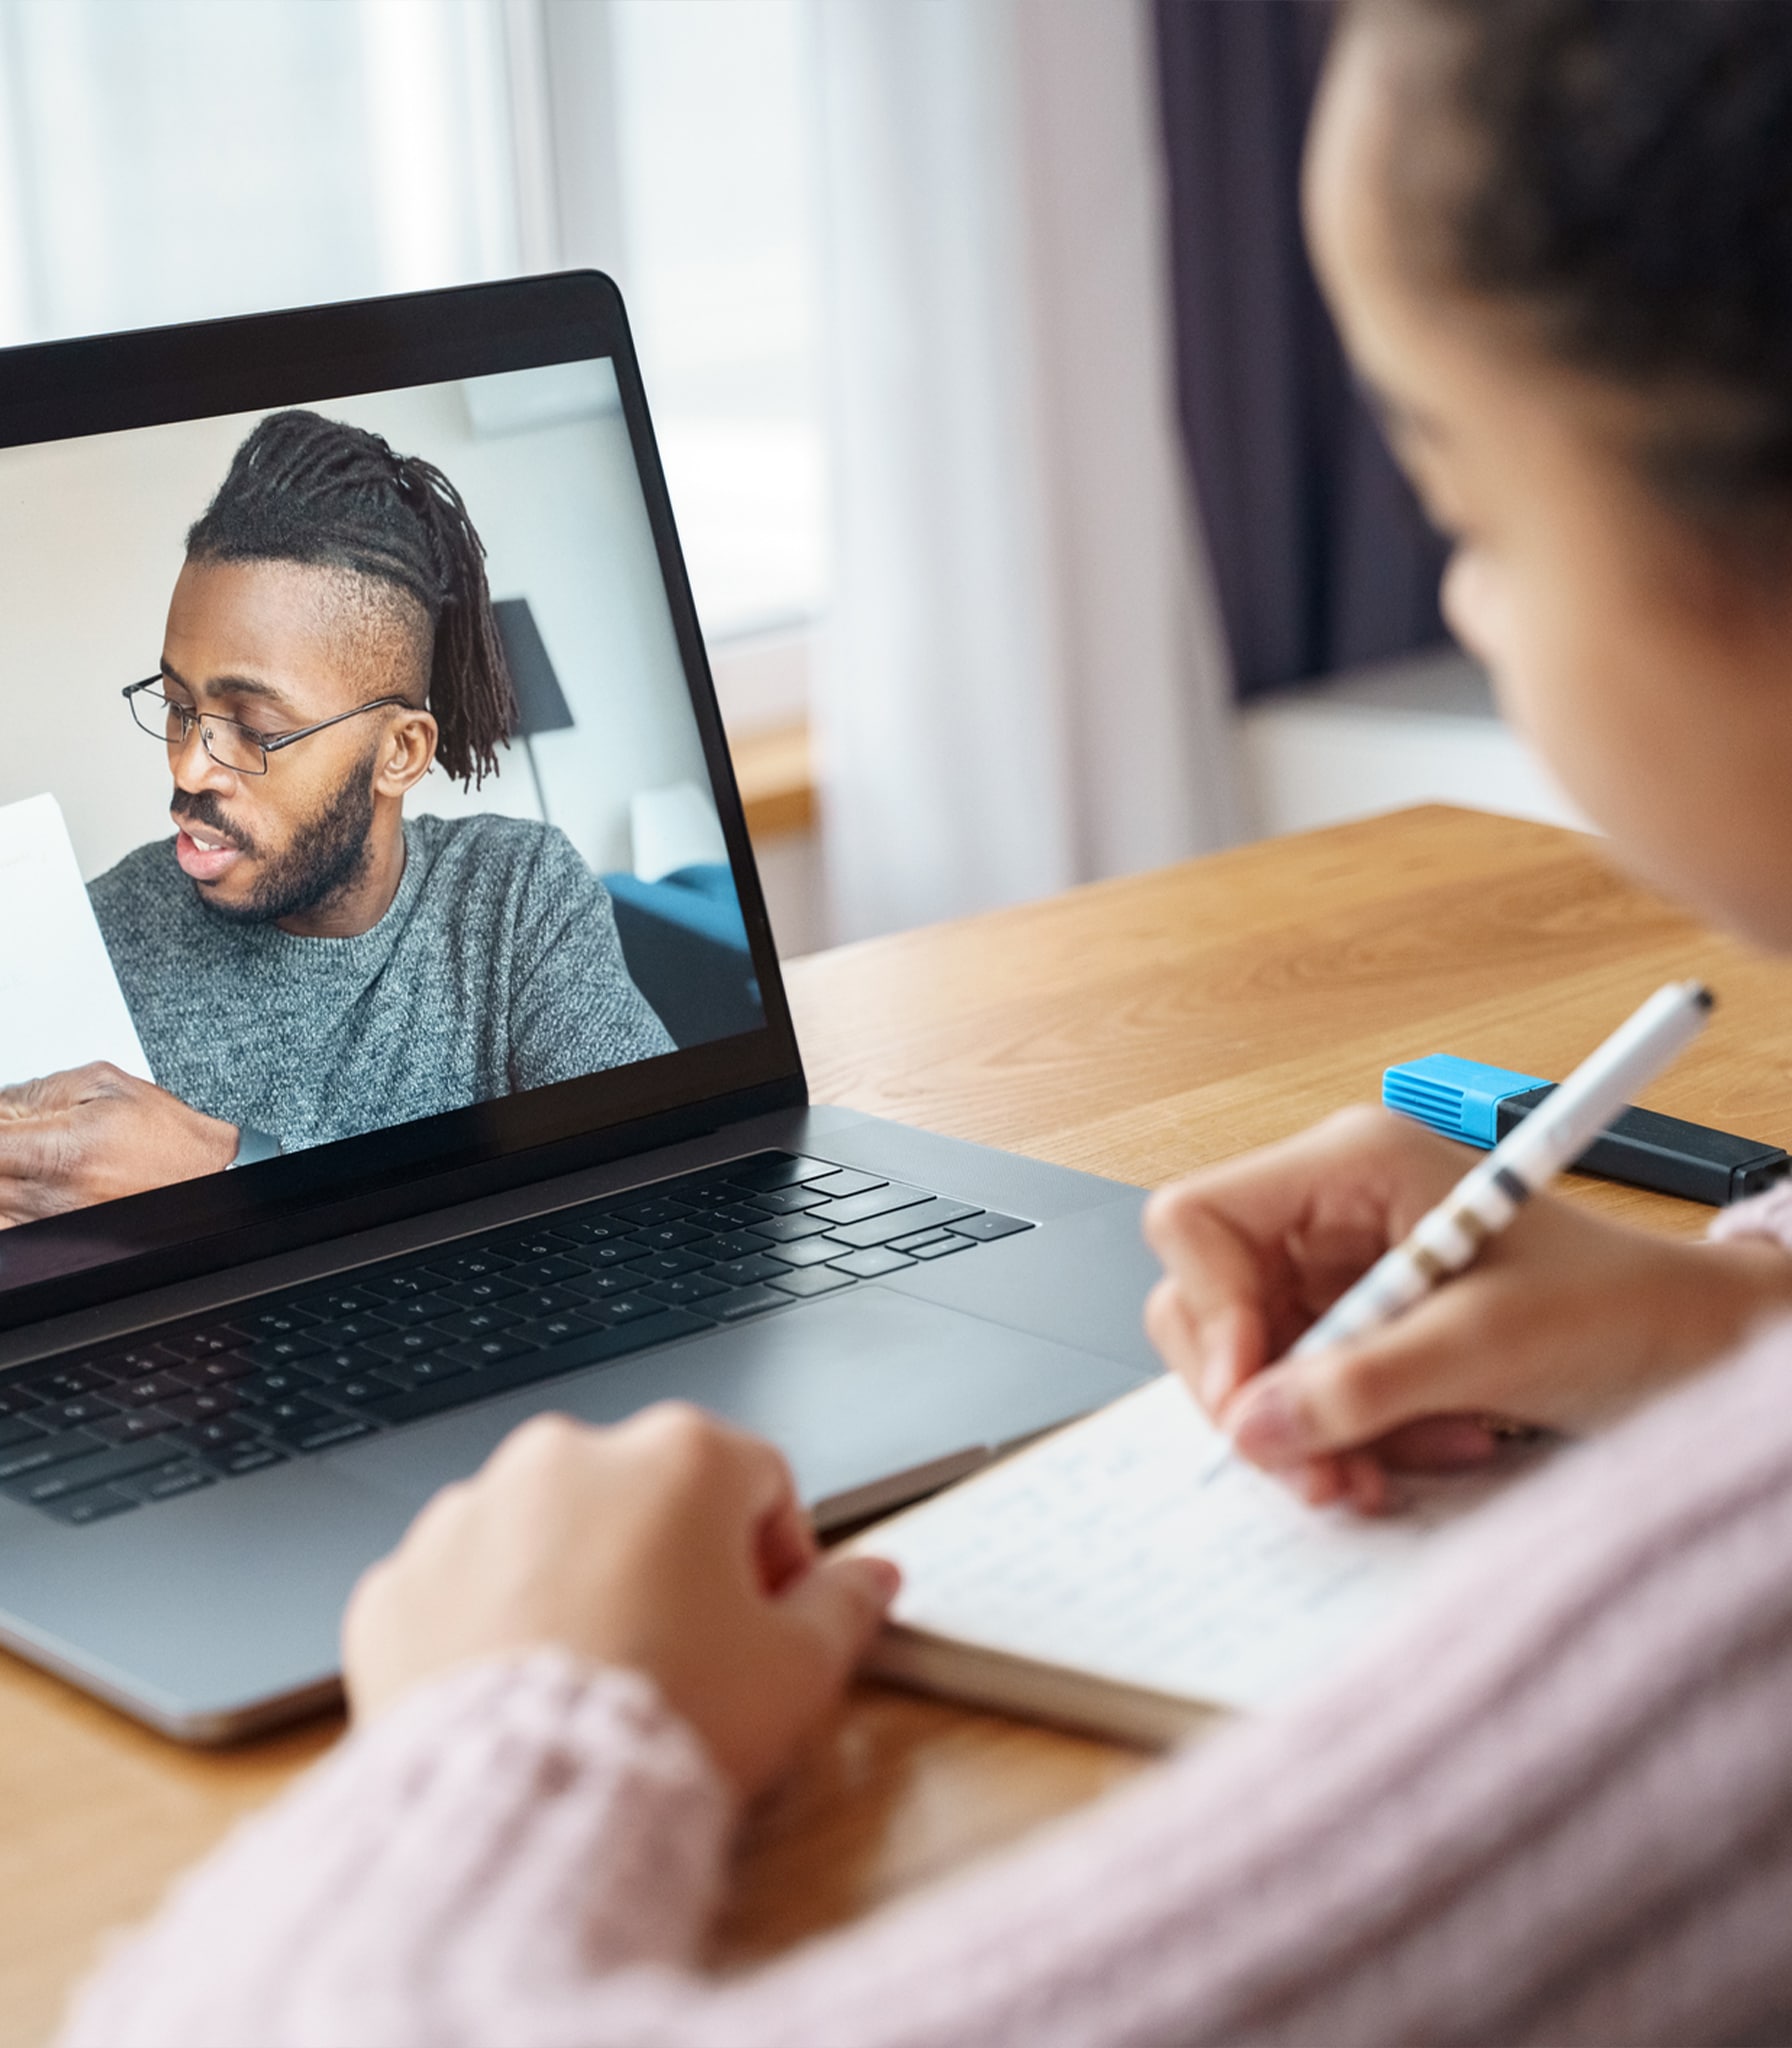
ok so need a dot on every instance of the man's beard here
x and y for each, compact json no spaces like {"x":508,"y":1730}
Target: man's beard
{"x":328,"y":855}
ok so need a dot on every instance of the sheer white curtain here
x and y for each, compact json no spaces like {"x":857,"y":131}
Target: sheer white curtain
{"x":1023,"y":683}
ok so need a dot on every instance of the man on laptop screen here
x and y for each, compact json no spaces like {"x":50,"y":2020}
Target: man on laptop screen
{"x":302,"y":961}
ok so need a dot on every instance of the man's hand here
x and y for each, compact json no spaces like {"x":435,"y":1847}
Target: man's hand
{"x":1563,"y":1320}
{"x":95,"y":1133}
{"x":670,"y":1544}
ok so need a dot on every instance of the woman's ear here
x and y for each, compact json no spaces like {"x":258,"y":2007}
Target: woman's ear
{"x":405,"y":753}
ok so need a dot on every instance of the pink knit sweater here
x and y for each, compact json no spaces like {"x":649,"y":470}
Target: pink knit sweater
{"x":1553,"y":1807}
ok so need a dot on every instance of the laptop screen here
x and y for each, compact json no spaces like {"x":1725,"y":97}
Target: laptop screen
{"x":354,"y":780}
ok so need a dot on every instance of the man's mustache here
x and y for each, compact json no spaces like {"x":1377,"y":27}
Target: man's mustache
{"x":202,"y":808}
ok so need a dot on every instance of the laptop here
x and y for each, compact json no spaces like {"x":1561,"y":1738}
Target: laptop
{"x":392,"y":1041}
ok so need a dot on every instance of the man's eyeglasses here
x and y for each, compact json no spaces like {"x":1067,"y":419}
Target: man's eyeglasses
{"x":229,"y":742}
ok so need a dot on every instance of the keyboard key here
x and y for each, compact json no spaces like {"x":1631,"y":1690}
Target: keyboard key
{"x":692,"y":1287}
{"x":399,"y":1286}
{"x":75,"y":1414}
{"x":23,"y":1459}
{"x":445,"y":1364}
{"x":735,"y":1244}
{"x":353,"y":1329}
{"x":249,"y":1458}
{"x":92,"y":1506}
{"x":283,"y":1350}
{"x":14,"y":1429}
{"x":419,"y":1308}
{"x":333,"y":1367}
{"x":548,"y":1272}
{"x":744,"y":1302}
{"x":212,"y":1372}
{"x":600,"y":1286}
{"x":787,"y":1201}
{"x":68,"y":1382}
{"x":406,"y":1343}
{"x":844,"y":1181}
{"x":659,"y":1210}
{"x":774,"y":1170}
{"x":989,"y":1226}
{"x":941,"y":1248}
{"x":479,"y":1265}
{"x":223,"y":1433}
{"x":285,"y":1321}
{"x":280,"y":1418}
{"x":671,"y":1237}
{"x":131,"y":1364}
{"x":100,"y":1467}
{"x":482,"y":1351}
{"x":321,"y":1434}
{"x":920,"y":1237}
{"x":204,"y":1403}
{"x":812,"y":1251}
{"x":871,"y":1265}
{"x":745,"y":1272}
{"x":880,"y":1202}
{"x":215,"y":1337}
{"x":666,"y":1265}
{"x":474,"y":1322}
{"x":278,"y":1385}
{"x":560,"y":1328}
{"x":147,"y":1392}
{"x":928,"y":1215}
{"x":626,"y":1308}
{"x":544,"y":1301}
{"x":18,"y":1399}
{"x":134,"y":1426}
{"x":595,"y":1257}
{"x":589,"y":1229}
{"x":167,"y":1485}
{"x":368,"y":1388}
{"x":816,"y":1280}
{"x":538,"y":1242}
{"x":481,"y":1293}
{"x":347,"y":1301}
{"x":789,"y":1229}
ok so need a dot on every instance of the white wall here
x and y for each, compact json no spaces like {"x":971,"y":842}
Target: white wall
{"x":91,"y":541}
{"x":1423,"y":730}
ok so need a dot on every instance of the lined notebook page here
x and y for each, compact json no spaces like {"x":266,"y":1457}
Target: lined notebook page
{"x":1136,"y":1548}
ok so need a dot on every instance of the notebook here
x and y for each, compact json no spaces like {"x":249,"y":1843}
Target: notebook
{"x":1130,"y":1576}
{"x":63,"y":1004}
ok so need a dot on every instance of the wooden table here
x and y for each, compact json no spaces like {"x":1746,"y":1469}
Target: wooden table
{"x":1136,"y":1029}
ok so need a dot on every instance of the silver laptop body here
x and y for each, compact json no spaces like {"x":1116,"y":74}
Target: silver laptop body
{"x":203,"y":1594}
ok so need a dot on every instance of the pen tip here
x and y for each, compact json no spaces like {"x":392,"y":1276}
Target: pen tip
{"x":1703,"y":997}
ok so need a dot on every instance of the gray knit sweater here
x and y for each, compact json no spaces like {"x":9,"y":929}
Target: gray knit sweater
{"x":496,"y":968}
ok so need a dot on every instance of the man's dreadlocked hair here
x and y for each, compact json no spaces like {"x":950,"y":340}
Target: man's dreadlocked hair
{"x":306,"y":489}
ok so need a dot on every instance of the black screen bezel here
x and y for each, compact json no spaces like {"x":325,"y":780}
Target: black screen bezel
{"x":58,"y":391}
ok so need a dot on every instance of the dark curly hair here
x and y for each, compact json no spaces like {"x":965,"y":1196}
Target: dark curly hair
{"x":1623,"y":170}
{"x":307,"y":489}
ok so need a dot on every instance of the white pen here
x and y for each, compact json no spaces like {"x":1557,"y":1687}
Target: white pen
{"x":1526,"y":1160}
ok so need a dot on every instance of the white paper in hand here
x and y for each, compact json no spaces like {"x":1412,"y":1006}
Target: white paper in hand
{"x":60,"y":1002}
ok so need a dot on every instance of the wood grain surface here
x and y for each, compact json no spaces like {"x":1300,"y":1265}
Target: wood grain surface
{"x":1138,"y":1029}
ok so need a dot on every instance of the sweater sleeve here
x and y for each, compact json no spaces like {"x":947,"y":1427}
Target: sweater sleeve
{"x":1554,"y":1805}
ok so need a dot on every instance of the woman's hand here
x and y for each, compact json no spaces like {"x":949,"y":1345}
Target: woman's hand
{"x":1562,"y":1321}
{"x":671,"y":1544}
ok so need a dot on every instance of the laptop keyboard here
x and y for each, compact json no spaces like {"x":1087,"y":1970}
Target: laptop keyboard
{"x":304,"y":1370}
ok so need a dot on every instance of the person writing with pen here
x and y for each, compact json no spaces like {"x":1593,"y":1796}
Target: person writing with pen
{"x":1555,"y":1804}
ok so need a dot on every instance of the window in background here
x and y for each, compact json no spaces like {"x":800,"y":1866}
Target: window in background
{"x":175,"y":159}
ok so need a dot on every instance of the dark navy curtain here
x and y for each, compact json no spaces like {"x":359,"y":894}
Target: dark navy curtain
{"x":1321,"y":555}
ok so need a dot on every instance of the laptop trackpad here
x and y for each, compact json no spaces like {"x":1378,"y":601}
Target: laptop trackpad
{"x":853,"y":1391}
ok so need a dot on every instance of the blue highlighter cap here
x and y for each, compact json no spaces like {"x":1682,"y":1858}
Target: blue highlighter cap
{"x":1461,"y":1098}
